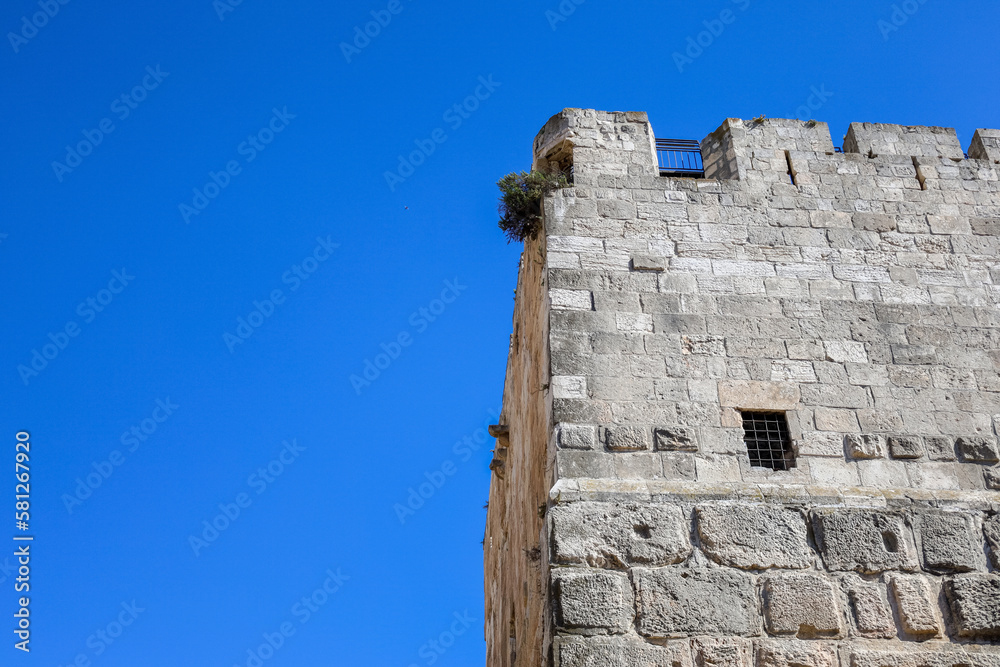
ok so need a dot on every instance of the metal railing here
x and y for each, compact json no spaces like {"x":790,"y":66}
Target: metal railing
{"x":679,"y":157}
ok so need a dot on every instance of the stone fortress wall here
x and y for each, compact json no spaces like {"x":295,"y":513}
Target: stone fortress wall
{"x":857,"y":293}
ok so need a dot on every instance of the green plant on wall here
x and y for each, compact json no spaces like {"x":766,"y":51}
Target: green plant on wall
{"x":521,"y":201}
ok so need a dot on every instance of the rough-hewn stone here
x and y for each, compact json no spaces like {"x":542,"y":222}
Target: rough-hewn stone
{"x":869,"y":608}
{"x":868,"y":541}
{"x":865,"y":446}
{"x":906,"y":446}
{"x":722,"y":652}
{"x":915,"y":605}
{"x":618,"y":536}
{"x":625,"y":438}
{"x":975,"y":604}
{"x":940,"y":448}
{"x":754,"y":536}
{"x":618,"y":652}
{"x":991,"y":527}
{"x":592,"y":601}
{"x":802,"y":604}
{"x":674,"y":439}
{"x":978,"y":449}
{"x":948,"y":542}
{"x":675,"y":602}
{"x":796,"y":654}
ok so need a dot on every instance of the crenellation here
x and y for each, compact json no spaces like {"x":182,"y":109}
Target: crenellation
{"x":856,"y":294}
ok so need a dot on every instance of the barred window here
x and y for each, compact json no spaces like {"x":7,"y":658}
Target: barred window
{"x":767,"y":440}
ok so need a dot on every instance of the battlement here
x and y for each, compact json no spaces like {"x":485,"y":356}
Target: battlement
{"x":647,"y":513}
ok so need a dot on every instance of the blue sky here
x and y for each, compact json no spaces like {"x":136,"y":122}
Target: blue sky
{"x":218,"y":250}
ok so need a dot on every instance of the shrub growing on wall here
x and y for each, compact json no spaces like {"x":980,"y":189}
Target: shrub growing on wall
{"x":521,"y":201}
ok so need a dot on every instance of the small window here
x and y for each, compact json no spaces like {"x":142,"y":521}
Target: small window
{"x":767,"y":440}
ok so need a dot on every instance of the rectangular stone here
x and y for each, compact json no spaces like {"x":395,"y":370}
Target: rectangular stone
{"x":915,"y":604}
{"x":753,"y":395}
{"x":975,"y":603}
{"x":595,"y":601}
{"x":801,"y":604}
{"x":864,"y":540}
{"x":676,"y":603}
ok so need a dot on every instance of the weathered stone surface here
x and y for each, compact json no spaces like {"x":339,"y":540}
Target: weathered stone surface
{"x":948,"y":542}
{"x":796,"y":654}
{"x":675,"y":602}
{"x":865,"y":446}
{"x":595,"y":601}
{"x":978,"y":449}
{"x":618,"y":536}
{"x":936,"y":656}
{"x":991,"y":478}
{"x":625,"y":438}
{"x":722,"y":652}
{"x":754,"y":536}
{"x":906,"y":446}
{"x":940,"y":447}
{"x":869,"y":608}
{"x":868,"y":541}
{"x":618,"y":652}
{"x":674,"y":439}
{"x":915,"y":605}
{"x":577,"y":436}
{"x":991,"y":527}
{"x":975,"y":605}
{"x":802,"y":604}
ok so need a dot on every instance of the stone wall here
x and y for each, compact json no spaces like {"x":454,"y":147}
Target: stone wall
{"x":855,"y":292}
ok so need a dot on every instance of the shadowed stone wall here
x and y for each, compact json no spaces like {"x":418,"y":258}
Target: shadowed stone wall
{"x":857,"y":293}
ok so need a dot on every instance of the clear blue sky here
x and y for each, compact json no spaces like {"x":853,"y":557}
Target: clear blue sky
{"x":299,"y":133}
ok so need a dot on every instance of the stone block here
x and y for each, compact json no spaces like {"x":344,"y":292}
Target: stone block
{"x":576,"y":436}
{"x":906,"y":446}
{"x":756,"y":395}
{"x":865,"y":445}
{"x":830,"y":419}
{"x":618,"y":536}
{"x":869,"y":608}
{"x":645,"y":262}
{"x":991,"y":528}
{"x":571,"y":463}
{"x":940,"y":447}
{"x":754,"y":536}
{"x":619,"y":652}
{"x":864,"y":540}
{"x":722,"y":652}
{"x":802,"y":604}
{"x":991,"y":478}
{"x":595,"y":601}
{"x":796,"y":654}
{"x":978,"y":449}
{"x":625,"y":438}
{"x":975,"y":605}
{"x":677,"y":602}
{"x":674,"y":439}
{"x":948,"y":542}
{"x":936,"y":655}
{"x":915,"y":605}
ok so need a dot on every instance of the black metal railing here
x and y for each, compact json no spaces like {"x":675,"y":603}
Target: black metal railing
{"x":679,"y":157}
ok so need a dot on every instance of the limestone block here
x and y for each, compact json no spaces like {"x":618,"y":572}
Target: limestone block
{"x":830,"y":419}
{"x":869,"y":608}
{"x":911,"y":141}
{"x":576,"y":436}
{"x":566,"y":299}
{"x":865,"y":540}
{"x":674,"y":439}
{"x":975,"y":605}
{"x":991,"y":477}
{"x":948,"y":542}
{"x":915,"y":605}
{"x":796,"y":654}
{"x":802,"y":604}
{"x":675,"y":602}
{"x":618,"y":536}
{"x":978,"y":449}
{"x":619,"y":652}
{"x":933,"y":656}
{"x":985,"y":145}
{"x":991,"y":527}
{"x":722,"y":652}
{"x":592,"y":601}
{"x":571,"y":463}
{"x":906,"y":446}
{"x":755,"y":395}
{"x":754,"y":536}
{"x":625,"y":438}
{"x":645,"y":262}
{"x":865,"y":445}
